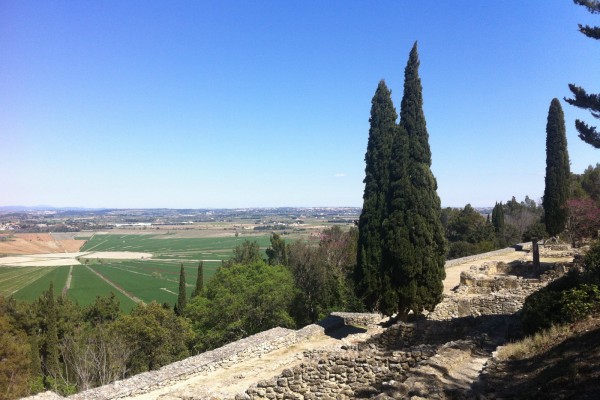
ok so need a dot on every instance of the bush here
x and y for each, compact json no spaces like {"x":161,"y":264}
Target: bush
{"x":591,"y":263}
{"x":579,"y":302}
{"x":461,"y":249}
{"x":563,"y":302}
{"x":540,"y":311}
{"x":537,"y":230}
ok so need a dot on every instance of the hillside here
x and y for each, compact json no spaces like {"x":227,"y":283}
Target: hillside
{"x":567,"y":368}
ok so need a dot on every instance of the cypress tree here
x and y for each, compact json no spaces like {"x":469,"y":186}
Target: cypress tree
{"x":51,"y":353}
{"x":381,"y":131}
{"x":498,"y":223}
{"x":181,"y":298}
{"x":414,"y":237}
{"x":199,"y":280}
{"x":556,"y":192}
{"x":581,"y":98}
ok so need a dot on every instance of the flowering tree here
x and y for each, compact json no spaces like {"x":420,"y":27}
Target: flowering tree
{"x":584,"y":219}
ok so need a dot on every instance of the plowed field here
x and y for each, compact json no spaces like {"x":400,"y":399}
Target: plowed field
{"x":38,"y":243}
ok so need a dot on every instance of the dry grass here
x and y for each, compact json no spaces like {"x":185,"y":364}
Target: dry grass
{"x":533,"y":345}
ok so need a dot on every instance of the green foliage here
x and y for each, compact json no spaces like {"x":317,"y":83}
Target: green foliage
{"x":199,"y":280}
{"x":412,"y":270}
{"x":537,"y":230}
{"x":565,"y":300}
{"x":556,"y":192}
{"x":247,"y":253}
{"x":104,"y":309}
{"x":580,"y":301}
{"x":591,"y":263}
{"x":499,"y":224}
{"x":240,"y":301}
{"x":323,"y":273}
{"x":156,"y":334}
{"x":51,"y":352}
{"x":581,"y":98}
{"x":182,"y":295}
{"x":518,"y":217}
{"x":377,"y":158}
{"x":277,"y":253}
{"x":468,"y":225}
{"x":15,"y":361}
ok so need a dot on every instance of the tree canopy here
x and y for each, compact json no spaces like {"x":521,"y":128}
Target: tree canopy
{"x":581,"y":98}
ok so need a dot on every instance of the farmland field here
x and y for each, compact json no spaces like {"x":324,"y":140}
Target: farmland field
{"x":86,"y":285}
{"x":56,"y":275}
{"x":162,"y":246}
{"x":149,"y":279}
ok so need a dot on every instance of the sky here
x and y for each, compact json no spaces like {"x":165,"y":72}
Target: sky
{"x":227,"y":104}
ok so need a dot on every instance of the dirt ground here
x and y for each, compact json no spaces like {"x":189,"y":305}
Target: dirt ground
{"x":38,"y":243}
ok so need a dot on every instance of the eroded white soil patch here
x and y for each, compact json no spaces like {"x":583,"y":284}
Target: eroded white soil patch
{"x":58,"y":259}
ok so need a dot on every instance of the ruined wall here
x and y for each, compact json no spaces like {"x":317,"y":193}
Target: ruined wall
{"x":344,"y":374}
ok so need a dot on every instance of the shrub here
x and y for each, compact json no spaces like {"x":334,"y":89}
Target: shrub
{"x":591,"y":263}
{"x":559,"y":303}
{"x":579,"y":302}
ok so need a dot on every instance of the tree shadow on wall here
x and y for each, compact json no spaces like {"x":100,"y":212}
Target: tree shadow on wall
{"x":336,"y":327}
{"x":490,"y":330}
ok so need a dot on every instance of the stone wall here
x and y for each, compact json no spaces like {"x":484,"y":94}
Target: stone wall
{"x":344,"y":374}
{"x":488,"y":289}
{"x":476,"y":257}
{"x":238,"y":351}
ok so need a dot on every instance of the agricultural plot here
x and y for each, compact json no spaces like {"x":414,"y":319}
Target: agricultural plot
{"x":147,"y":287}
{"x":164,"y":247}
{"x":147,"y":279}
{"x":56,"y":275}
{"x":86,"y":286}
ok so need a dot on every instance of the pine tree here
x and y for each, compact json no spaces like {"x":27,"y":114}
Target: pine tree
{"x":181,"y":298}
{"x":199,"y":280}
{"x":582,"y":99}
{"x":558,"y":172}
{"x":414,"y":237}
{"x":377,"y":158}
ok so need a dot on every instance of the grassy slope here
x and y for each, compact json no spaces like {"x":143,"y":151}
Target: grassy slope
{"x":567,"y":366}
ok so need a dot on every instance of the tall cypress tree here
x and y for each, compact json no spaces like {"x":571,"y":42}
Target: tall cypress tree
{"x":181,"y":297}
{"x":377,"y":158}
{"x":414,"y":236}
{"x":498,"y":223}
{"x":199,"y":280}
{"x":556,"y":192}
{"x":581,"y":98}
{"x":51,"y":350}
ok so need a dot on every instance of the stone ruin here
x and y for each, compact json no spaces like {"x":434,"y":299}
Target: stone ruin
{"x":436,"y":356}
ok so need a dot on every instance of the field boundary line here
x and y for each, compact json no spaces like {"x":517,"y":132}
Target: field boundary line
{"x":68,"y":282}
{"x":111,"y":283}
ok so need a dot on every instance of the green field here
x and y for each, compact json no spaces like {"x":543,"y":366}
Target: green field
{"x":155,"y":279}
{"x":164,"y":247}
{"x":56,"y":275}
{"x":86,"y":285}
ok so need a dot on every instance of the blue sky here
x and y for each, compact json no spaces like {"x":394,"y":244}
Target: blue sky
{"x":266,"y":103}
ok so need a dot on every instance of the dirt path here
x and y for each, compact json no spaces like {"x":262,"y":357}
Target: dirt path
{"x":111,"y":283}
